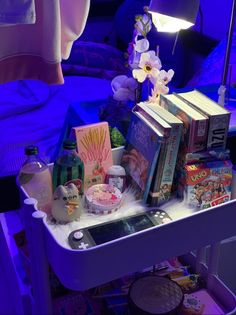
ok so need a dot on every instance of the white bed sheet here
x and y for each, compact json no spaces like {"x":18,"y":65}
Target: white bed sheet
{"x":32,"y":112}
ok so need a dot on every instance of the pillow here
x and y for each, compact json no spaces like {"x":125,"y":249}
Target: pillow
{"x":212,"y":68}
{"x":94,"y":59}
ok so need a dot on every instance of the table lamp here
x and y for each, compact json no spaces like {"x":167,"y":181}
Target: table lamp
{"x":173,"y":15}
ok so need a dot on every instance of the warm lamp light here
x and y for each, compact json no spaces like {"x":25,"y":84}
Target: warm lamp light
{"x":173,"y":15}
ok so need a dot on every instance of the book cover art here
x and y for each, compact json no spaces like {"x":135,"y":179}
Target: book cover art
{"x":94,"y":149}
{"x":162,"y":180}
{"x":207,"y":184}
{"x":195,"y":124}
{"x":139,"y":159}
{"x":219,"y":117}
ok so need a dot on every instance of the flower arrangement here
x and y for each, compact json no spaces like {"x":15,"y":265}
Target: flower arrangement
{"x":145,"y":73}
{"x":144,"y":64}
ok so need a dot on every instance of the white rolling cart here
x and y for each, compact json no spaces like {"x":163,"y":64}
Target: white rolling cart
{"x":15,"y":295}
{"x":84,"y":269}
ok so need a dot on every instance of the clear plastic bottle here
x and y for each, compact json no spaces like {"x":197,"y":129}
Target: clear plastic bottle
{"x":35,"y":177}
{"x":68,"y":167}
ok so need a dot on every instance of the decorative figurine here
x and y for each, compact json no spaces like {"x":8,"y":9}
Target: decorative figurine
{"x":66,"y":206}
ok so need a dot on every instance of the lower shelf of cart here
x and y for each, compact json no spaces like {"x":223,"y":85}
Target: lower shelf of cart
{"x":224,"y":298}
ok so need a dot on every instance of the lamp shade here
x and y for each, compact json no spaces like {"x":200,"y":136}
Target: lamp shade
{"x":173,"y":15}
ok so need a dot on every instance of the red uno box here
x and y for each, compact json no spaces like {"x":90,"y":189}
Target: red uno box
{"x":208,"y":184}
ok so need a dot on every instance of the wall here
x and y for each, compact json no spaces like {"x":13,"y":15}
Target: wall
{"x":215,"y":18}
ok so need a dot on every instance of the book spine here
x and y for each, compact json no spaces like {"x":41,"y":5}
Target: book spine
{"x":193,"y":139}
{"x":150,"y":176}
{"x":198,"y":135}
{"x":156,"y":181}
{"x":218,"y":131}
{"x":165,"y":173}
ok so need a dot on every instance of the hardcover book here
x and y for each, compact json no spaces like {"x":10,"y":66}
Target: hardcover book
{"x":163,"y":178}
{"x":143,"y":143}
{"x":195,"y":123}
{"x":94,"y":149}
{"x":219,"y":117}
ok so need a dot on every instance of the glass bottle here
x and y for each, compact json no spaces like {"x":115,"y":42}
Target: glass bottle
{"x":68,"y":167}
{"x":35,"y":178}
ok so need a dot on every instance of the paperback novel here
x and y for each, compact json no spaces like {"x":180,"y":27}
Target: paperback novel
{"x":143,"y":143}
{"x":218,"y":116}
{"x":195,"y":124}
{"x":163,"y":178}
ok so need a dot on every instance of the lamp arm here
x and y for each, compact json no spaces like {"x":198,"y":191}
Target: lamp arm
{"x":222,"y":89}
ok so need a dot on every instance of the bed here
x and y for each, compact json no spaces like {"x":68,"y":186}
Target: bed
{"x":32,"y":112}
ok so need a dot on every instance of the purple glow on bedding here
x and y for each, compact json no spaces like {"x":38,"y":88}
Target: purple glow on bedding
{"x":32,"y":112}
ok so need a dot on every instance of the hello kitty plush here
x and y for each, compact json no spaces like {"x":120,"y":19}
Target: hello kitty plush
{"x":66,"y":207}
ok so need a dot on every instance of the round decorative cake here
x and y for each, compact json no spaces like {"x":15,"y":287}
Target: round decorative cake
{"x":103,"y":199}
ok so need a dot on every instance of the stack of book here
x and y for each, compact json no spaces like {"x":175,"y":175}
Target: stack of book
{"x":189,"y":155}
{"x":201,"y":174}
{"x":151,"y":151}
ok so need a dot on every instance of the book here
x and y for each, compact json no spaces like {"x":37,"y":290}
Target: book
{"x":206,"y":184}
{"x":153,"y":118}
{"x":165,"y":129}
{"x":163,"y":178}
{"x":219,"y":117}
{"x":195,"y":124}
{"x":143,"y":143}
{"x":94,"y":149}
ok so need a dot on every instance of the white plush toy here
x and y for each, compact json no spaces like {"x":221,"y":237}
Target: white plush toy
{"x":66,"y":204}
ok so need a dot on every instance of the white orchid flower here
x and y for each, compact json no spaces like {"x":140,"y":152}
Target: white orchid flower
{"x":141,"y":45}
{"x":160,"y":85}
{"x":143,"y":24}
{"x":158,"y":89}
{"x":138,"y":47}
{"x":134,"y":59}
{"x":165,"y":77}
{"x":149,"y":65}
{"x":123,"y":88}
